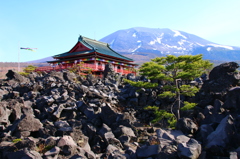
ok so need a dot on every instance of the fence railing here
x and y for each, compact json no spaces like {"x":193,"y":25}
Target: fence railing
{"x":83,"y":67}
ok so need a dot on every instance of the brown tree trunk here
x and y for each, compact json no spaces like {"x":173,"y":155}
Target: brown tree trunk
{"x":178,"y":98}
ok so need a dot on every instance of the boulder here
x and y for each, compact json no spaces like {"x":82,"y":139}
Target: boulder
{"x":203,"y":132}
{"x":114,"y":152}
{"x":222,"y":138}
{"x":148,"y":151}
{"x":221,"y":79}
{"x":108,"y":115}
{"x":131,"y":77}
{"x":169,"y":152}
{"x":80,"y":139}
{"x":25,"y":153}
{"x":223,"y":70}
{"x":56,"y":76}
{"x":163,"y":134}
{"x":4,"y":114}
{"x":187,"y":126}
{"x":60,"y":124}
{"x":27,"y":125}
{"x":3,"y":93}
{"x":11,"y":75}
{"x":69,"y":76}
{"x":127,"y":131}
{"x":66,"y":140}
{"x":232,"y":101}
{"x":86,"y":110}
{"x":91,"y":80}
{"x":106,"y":133}
{"x":109,"y":70}
{"x":29,"y":143}
{"x":57,"y":113}
{"x":52,"y":153}
{"x":190,"y":149}
{"x":124,"y":131}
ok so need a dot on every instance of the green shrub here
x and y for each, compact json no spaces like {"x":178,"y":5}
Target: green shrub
{"x":42,"y":148}
{"x":188,"y":106}
{"x":24,"y":73}
{"x":160,"y":114}
{"x":16,"y":140}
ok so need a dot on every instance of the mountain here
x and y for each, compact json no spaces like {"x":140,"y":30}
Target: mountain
{"x":146,"y":43}
{"x":43,"y":60}
{"x":143,"y":44}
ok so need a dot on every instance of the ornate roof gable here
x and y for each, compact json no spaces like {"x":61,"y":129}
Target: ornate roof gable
{"x":86,"y":45}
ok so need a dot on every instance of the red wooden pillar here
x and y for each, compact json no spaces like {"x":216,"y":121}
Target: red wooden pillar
{"x":95,"y":64}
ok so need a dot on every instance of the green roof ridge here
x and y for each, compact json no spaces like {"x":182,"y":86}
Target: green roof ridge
{"x":97,"y":46}
{"x":86,"y":40}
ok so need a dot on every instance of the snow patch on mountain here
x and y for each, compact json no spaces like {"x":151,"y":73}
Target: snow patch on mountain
{"x":177,"y":33}
{"x":209,"y":49}
{"x":223,"y":46}
{"x":158,"y":40}
{"x":139,"y":46}
{"x":200,"y":44}
{"x":181,"y":42}
{"x":179,"y":48}
{"x":112,"y":42}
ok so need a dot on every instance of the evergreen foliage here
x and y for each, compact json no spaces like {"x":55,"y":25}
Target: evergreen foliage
{"x":188,"y":90}
{"x":171,"y":68}
{"x":188,"y":106}
{"x":161,"y":114}
{"x":141,"y":84}
{"x":27,"y":70}
{"x":16,"y":140}
{"x":175,"y":72}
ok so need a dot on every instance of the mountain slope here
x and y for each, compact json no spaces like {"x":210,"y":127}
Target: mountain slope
{"x":160,"y":42}
{"x":43,"y":60}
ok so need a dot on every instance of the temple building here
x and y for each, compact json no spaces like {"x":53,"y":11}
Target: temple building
{"x":89,"y":53}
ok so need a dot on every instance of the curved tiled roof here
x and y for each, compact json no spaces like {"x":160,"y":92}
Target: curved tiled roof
{"x":97,"y":46}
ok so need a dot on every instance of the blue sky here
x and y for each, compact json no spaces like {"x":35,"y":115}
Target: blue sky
{"x":53,"y":26}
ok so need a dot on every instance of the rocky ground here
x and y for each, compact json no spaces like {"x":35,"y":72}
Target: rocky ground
{"x":62,"y":115}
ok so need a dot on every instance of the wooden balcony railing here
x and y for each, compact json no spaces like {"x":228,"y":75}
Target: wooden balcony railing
{"x":92,"y":67}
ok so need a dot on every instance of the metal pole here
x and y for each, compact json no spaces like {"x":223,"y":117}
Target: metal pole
{"x":18,"y":57}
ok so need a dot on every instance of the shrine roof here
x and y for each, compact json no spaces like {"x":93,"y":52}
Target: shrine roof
{"x":94,"y":46}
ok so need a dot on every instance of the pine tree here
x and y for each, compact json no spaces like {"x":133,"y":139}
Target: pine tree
{"x":29,"y":68}
{"x":175,"y":72}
